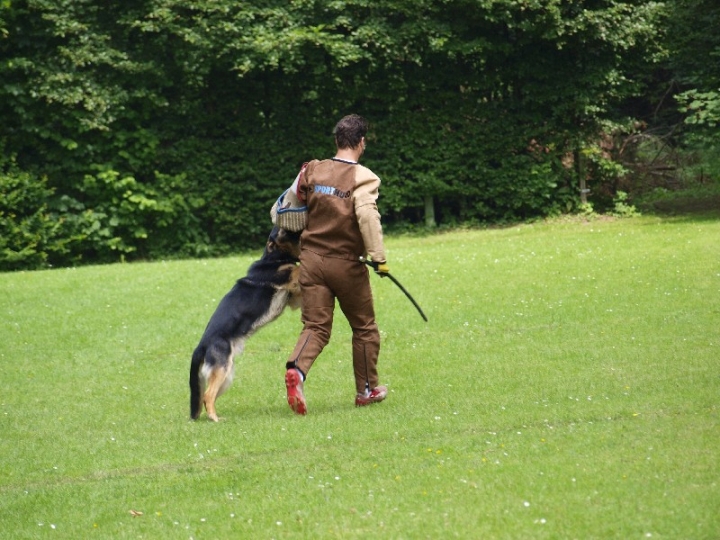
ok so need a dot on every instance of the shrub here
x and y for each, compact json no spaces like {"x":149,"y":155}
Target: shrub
{"x":28,"y":231}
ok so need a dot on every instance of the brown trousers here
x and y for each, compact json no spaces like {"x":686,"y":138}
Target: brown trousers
{"x":322,"y":280}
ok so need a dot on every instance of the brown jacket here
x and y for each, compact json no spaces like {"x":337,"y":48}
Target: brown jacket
{"x":343,"y":219}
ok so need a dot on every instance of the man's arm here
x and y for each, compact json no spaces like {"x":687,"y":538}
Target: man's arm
{"x":366,"y":192}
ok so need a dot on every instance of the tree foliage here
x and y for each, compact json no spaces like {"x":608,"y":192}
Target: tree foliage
{"x":695,"y":62}
{"x":166,"y":127}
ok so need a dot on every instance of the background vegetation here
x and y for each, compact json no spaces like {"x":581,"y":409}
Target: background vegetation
{"x":565,"y":386}
{"x":165,"y":128}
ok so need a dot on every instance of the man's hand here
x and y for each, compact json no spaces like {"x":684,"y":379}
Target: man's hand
{"x":381,"y":269}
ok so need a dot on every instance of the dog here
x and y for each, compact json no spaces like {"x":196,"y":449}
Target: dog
{"x":255,"y":300}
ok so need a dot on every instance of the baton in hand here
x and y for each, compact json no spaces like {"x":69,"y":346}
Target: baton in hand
{"x":396,"y":282}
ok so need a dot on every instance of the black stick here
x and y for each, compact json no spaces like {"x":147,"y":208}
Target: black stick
{"x":403,"y":289}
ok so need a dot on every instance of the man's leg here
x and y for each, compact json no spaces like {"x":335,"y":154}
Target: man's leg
{"x":318,"y":303}
{"x":355,"y":298}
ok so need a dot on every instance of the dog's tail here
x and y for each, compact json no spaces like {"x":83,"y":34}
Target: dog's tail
{"x":198,"y":358}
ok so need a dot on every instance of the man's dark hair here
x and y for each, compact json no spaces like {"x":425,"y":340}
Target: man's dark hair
{"x":350,"y":130}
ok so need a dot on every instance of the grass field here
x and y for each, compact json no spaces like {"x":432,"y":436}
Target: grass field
{"x":566,"y":385}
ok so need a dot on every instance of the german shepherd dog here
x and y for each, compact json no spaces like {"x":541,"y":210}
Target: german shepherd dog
{"x":257,"y":299}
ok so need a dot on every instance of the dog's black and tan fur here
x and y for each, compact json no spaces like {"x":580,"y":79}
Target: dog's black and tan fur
{"x":257,"y":299}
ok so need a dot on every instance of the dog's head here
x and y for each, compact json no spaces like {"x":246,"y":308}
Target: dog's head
{"x":285,"y":243}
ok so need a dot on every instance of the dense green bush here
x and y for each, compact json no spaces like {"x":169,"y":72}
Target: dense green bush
{"x":116,"y":217}
{"x":703,"y":140}
{"x":29,"y":233}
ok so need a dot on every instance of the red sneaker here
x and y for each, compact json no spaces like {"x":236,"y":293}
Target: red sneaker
{"x":376,"y":395}
{"x":295,"y":396}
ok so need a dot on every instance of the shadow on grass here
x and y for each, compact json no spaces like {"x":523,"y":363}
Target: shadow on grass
{"x":685,"y":208}
{"x":677,"y":207}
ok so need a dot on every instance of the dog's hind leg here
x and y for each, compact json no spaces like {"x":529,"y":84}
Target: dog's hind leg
{"x":218,"y":372}
{"x":219,"y":379}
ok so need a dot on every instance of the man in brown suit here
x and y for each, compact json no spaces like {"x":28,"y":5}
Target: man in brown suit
{"x":343,"y":224}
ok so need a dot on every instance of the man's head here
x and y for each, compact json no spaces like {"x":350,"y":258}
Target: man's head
{"x":350,"y":131}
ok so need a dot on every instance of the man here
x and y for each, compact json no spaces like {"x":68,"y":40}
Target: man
{"x":343,"y":224}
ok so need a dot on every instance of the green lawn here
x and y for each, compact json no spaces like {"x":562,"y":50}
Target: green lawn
{"x":566,"y":386}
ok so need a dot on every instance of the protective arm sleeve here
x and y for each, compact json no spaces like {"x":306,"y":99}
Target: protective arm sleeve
{"x":367,"y":187}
